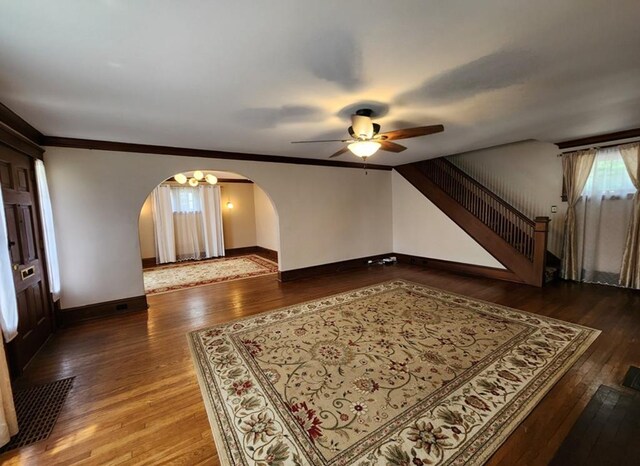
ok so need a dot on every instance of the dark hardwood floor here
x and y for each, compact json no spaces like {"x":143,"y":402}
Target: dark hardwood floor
{"x":136,"y":399}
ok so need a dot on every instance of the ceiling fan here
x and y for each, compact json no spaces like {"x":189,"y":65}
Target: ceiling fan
{"x":366,"y":138}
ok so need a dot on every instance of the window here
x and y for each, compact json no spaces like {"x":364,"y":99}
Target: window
{"x":185,"y":200}
{"x":609,"y":178}
{"x":602,"y":216}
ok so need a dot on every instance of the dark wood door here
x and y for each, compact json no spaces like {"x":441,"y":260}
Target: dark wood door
{"x":35,"y":323}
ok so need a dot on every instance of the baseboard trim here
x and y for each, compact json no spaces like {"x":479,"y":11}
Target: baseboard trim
{"x":148,"y":262}
{"x":267,"y":253}
{"x":459,"y":267}
{"x":73,"y":315}
{"x":323,"y":269}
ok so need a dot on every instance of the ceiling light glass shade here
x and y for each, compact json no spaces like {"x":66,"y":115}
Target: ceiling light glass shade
{"x":229,"y":205}
{"x":193,"y":182}
{"x":180,"y":178}
{"x":211,"y":179}
{"x":364,"y":149}
{"x":198,"y":175}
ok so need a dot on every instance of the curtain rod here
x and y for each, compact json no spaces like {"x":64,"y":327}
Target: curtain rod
{"x":607,"y":146}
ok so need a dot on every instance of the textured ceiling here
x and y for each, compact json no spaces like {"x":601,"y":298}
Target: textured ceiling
{"x":251,"y":76}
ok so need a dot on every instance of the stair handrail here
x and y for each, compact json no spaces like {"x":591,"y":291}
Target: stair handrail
{"x":451,"y":166}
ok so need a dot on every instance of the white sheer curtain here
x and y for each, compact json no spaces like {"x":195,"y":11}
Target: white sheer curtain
{"x":603,"y":214}
{"x":162,"y":211}
{"x":46,"y":214}
{"x":212,"y":221}
{"x":187,"y":221}
{"x":197,"y":222}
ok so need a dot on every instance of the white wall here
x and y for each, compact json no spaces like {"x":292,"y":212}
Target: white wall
{"x":267,"y":233}
{"x":528,"y":175}
{"x":326,"y":214}
{"x":421,"y":229}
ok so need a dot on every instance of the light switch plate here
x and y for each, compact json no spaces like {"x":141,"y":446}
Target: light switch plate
{"x":554,"y":209}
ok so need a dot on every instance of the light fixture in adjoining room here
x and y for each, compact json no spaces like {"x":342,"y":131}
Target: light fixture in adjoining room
{"x":229,"y":204}
{"x":364,"y":149}
{"x":198,"y":176}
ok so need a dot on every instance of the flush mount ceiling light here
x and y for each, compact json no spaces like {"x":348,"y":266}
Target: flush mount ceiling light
{"x":198,"y":176}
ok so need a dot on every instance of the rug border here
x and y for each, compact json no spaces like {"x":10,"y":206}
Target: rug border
{"x":217,"y":437}
{"x":492,"y":446}
{"x":208,"y":259}
{"x":155,"y":293}
{"x":453,"y":293}
{"x":487,"y":450}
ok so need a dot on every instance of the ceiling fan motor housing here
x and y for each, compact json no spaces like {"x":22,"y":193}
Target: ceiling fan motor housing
{"x":361,"y":125}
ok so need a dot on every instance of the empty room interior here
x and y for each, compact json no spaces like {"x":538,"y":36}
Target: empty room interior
{"x":327,"y":233}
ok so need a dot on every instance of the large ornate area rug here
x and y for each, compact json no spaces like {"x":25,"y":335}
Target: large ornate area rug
{"x":392,"y":374}
{"x":189,"y":274}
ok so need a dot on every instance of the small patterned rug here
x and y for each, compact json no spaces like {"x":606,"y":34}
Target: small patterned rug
{"x":189,"y":274}
{"x":392,"y":374}
{"x":37,"y":409}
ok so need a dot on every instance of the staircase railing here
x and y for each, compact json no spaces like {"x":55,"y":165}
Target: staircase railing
{"x":505,"y":220}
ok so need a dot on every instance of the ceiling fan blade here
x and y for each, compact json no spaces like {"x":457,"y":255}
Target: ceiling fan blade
{"x":391,"y":146}
{"x":340,"y":152}
{"x":412,"y":132}
{"x":322,"y":140}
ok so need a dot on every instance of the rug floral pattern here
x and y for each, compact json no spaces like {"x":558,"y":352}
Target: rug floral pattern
{"x":177,"y":276}
{"x":393,"y":374}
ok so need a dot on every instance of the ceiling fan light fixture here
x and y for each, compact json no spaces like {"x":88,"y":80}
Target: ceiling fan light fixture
{"x":198,"y":175}
{"x":193,"y":182}
{"x":180,"y":178}
{"x":364,"y":149}
{"x":211,"y":179}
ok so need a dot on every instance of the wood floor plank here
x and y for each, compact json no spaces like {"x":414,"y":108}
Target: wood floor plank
{"x":136,"y":399}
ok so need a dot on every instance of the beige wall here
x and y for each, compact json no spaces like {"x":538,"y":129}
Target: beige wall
{"x":528,"y":175}
{"x":267,"y":234}
{"x":421,"y":229}
{"x":325,"y":214}
{"x":239,"y":223}
{"x":146,"y":232}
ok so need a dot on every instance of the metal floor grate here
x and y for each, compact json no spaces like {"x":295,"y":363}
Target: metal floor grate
{"x":632,"y":379}
{"x":37,"y":409}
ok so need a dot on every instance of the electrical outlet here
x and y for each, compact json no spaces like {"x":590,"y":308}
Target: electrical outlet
{"x":554,"y":209}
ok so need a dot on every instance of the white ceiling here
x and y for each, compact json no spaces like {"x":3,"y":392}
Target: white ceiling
{"x":250,"y":76}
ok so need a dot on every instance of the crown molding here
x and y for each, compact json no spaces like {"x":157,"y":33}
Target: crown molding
{"x":19,"y":125}
{"x":54,"y":141}
{"x":594,"y":140}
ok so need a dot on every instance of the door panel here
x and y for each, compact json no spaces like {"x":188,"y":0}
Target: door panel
{"x":5,"y":175}
{"x":12,"y":230}
{"x":35,"y":322}
{"x":28,"y":234}
{"x":23,"y":179}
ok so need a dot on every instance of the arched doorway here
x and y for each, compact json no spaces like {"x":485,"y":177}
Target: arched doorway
{"x":202,"y":227}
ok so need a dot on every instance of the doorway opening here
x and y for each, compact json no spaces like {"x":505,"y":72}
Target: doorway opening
{"x":203,"y":227}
